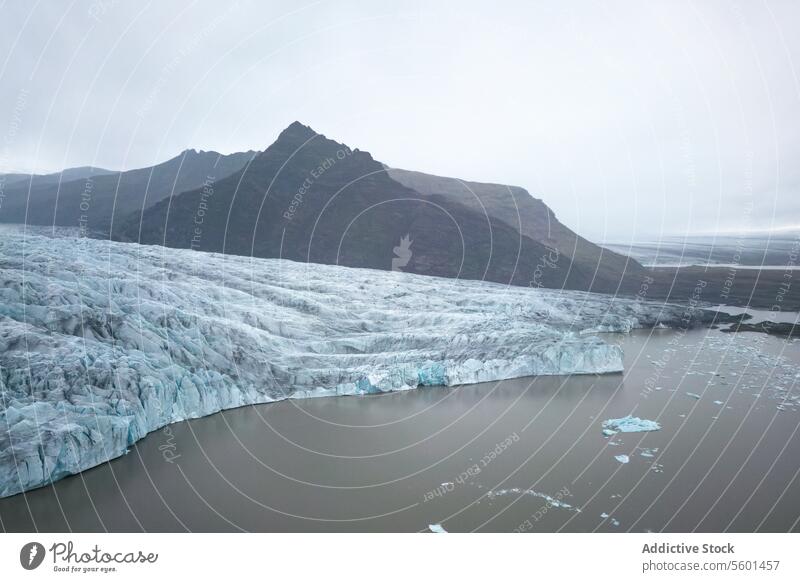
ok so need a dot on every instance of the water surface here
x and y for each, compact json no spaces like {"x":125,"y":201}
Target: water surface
{"x":500,"y":456}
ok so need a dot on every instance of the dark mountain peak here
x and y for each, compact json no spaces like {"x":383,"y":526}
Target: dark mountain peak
{"x":297,"y":132}
{"x":308,"y":149}
{"x":195,"y":153}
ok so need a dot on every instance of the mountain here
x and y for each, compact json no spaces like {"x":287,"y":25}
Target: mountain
{"x":308,"y":198}
{"x":531,"y":217}
{"x":95,"y":199}
{"x":67,"y":175}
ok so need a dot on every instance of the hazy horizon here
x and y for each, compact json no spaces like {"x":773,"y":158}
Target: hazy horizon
{"x":628,"y":120}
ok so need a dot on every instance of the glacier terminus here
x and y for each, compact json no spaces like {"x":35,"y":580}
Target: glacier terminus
{"x":104,"y":342}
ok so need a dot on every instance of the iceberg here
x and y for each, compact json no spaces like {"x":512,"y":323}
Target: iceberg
{"x":612,"y":520}
{"x":103,"y":342}
{"x":628,"y":424}
{"x":623,"y":459}
{"x":436,"y":528}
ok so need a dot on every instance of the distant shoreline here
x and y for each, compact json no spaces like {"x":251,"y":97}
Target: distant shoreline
{"x":770,"y":289}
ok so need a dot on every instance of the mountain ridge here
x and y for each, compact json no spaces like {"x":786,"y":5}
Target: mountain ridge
{"x":96,"y":202}
{"x":309,"y":198}
{"x":528,"y":214}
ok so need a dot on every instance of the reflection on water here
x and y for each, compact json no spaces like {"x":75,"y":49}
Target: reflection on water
{"x":519,"y":455}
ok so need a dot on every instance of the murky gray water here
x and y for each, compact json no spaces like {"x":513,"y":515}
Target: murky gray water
{"x":483,"y":457}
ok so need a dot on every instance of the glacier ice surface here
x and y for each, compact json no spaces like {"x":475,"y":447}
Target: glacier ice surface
{"x":103,"y":342}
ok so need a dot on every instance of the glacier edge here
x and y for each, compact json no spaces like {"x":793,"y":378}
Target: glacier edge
{"x":102,"y":343}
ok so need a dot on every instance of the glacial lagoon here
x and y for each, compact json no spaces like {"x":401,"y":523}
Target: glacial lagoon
{"x":518,"y":455}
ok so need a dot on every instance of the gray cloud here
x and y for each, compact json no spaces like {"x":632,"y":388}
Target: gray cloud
{"x":628,"y":118}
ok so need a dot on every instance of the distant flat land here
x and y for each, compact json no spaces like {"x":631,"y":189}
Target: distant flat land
{"x":771,"y":289}
{"x":752,"y":251}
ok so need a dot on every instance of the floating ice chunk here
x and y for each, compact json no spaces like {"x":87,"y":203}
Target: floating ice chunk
{"x":437,"y":528}
{"x":649,"y":453}
{"x":612,"y":521}
{"x":622,"y":458}
{"x":551,"y":501}
{"x":693,"y":395}
{"x":629,"y":424}
{"x":718,"y":402}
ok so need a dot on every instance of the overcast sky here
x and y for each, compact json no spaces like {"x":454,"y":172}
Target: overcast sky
{"x":629,"y":119}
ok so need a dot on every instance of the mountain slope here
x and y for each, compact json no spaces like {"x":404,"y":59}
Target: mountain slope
{"x":530,"y":216}
{"x":311,"y":199}
{"x":94,"y":200}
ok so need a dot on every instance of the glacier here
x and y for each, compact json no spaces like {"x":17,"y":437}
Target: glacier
{"x":103,"y":342}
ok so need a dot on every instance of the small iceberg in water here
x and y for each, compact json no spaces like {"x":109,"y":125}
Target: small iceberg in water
{"x":613,"y":521}
{"x":437,"y":528}
{"x":552,"y":501}
{"x":628,"y":424}
{"x":623,"y":458}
